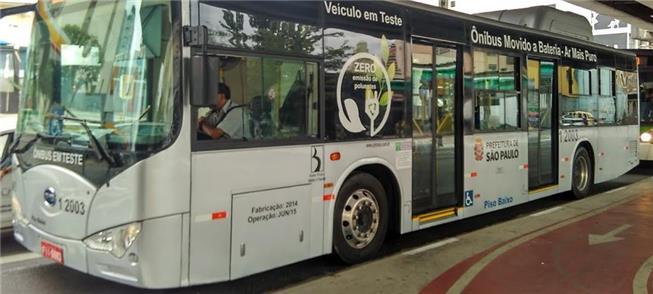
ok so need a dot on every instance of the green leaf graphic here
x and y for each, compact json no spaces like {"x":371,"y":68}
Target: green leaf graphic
{"x":385,"y":98}
{"x":378,"y":72}
{"x":385,"y":51}
{"x":391,"y":71}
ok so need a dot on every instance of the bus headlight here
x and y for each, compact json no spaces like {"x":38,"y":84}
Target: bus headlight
{"x":115,"y":240}
{"x":646,"y":137}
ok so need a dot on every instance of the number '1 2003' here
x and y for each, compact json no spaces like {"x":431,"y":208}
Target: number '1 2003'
{"x":72,"y":206}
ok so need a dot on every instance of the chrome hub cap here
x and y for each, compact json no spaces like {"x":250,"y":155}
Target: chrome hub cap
{"x":360,"y":218}
{"x":581,"y":173}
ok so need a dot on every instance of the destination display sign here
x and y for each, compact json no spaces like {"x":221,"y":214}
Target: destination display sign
{"x":350,"y":10}
{"x":485,"y":37}
{"x":58,"y":156}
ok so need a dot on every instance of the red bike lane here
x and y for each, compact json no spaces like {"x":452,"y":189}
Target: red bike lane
{"x":610,"y":252}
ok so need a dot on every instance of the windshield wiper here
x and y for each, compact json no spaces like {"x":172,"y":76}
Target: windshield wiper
{"x":140,"y":116}
{"x":100,"y":151}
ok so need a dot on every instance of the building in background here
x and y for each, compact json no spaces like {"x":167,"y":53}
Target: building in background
{"x":15,"y":29}
{"x":14,"y":40}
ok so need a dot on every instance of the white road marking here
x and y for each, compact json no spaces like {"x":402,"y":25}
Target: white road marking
{"x":475,"y":269}
{"x":550,"y":210}
{"x":430,"y":246}
{"x":641,"y":277}
{"x":18,"y":257}
{"x":616,"y":190}
{"x":608,"y":237}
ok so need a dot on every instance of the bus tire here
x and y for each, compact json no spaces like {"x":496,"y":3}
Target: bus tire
{"x":582,"y":175}
{"x":360,"y":218}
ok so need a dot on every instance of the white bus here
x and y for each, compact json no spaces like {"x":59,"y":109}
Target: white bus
{"x":11,"y":74}
{"x":337,"y":124}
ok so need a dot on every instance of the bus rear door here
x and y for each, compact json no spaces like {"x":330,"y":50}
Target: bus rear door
{"x":542,"y":145}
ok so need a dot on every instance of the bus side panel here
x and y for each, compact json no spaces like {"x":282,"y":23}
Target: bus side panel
{"x":609,"y":147}
{"x":275,"y":237}
{"x":570,"y":139}
{"x":495,"y":171}
{"x":615,"y":156}
{"x":270,"y":178}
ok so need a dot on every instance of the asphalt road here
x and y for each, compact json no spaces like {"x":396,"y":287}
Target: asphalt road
{"x":22,"y":272}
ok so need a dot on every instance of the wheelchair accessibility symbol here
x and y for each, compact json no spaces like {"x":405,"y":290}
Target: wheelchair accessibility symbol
{"x":469,"y":198}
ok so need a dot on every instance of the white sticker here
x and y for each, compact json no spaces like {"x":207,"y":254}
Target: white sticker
{"x":203,"y":218}
{"x":404,"y":159}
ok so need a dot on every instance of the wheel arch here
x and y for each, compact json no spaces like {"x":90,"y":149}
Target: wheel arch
{"x":585,"y":143}
{"x":385,"y":173}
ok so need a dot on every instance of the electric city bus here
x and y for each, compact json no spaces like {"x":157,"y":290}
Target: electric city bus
{"x":337,"y":124}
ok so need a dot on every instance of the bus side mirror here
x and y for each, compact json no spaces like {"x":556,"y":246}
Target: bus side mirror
{"x":204,"y":80}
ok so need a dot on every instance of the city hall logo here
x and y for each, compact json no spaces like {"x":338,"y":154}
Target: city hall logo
{"x":364,"y":82}
{"x":478,"y":149}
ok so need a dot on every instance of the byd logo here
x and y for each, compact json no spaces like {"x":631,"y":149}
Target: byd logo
{"x":50,"y":196}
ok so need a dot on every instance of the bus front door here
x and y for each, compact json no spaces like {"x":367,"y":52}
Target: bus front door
{"x":434,"y":73}
{"x":541,"y":143}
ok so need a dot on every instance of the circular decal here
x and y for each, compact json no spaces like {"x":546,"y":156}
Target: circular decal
{"x":364,"y":82}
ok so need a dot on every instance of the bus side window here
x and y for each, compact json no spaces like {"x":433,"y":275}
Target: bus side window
{"x":289,"y":86}
{"x":497,"y":99}
{"x":279,"y":97}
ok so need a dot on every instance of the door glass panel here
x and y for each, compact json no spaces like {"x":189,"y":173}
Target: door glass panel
{"x":445,"y":67}
{"x":546,"y":142}
{"x":533,"y":121}
{"x":434,"y":94}
{"x":423,"y":159}
{"x":540,"y":145}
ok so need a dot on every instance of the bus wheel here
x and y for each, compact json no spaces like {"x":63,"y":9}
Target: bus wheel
{"x":582,"y":174}
{"x":360,"y":218}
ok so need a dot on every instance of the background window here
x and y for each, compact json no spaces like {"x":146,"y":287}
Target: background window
{"x":626,"y":97}
{"x":580,"y":82}
{"x":607,"y":101}
{"x":578,"y":107}
{"x":497,"y":100}
{"x":607,"y":110}
{"x":606,"y":82}
{"x":594,"y":81}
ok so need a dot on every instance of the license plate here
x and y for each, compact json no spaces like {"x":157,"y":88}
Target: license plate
{"x":52,"y":251}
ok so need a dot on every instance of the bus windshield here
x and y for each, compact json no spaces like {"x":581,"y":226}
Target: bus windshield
{"x":100,"y":71}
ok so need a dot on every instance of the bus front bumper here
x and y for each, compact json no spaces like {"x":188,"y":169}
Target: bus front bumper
{"x":74,"y":251}
{"x":158,"y":267}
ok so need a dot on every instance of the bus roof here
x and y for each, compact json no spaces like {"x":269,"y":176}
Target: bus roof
{"x":508,"y":26}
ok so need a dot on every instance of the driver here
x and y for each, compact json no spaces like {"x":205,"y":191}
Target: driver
{"x":225,"y":120}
